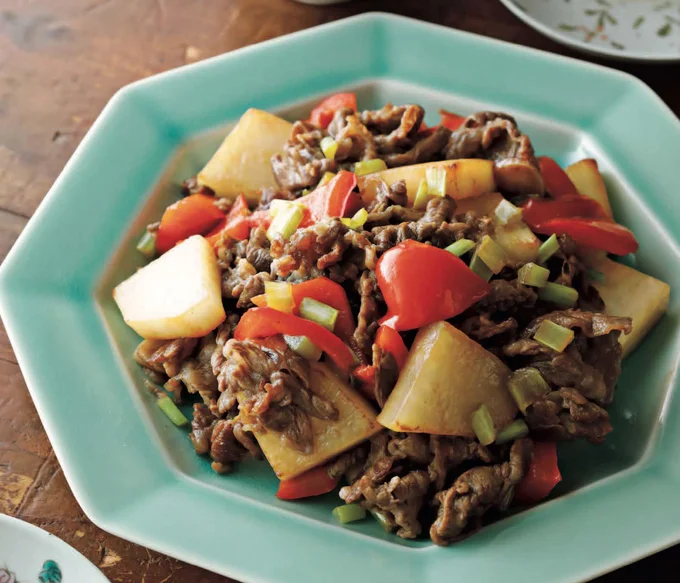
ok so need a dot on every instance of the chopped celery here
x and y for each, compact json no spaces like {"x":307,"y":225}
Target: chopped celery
{"x":482,"y":423}
{"x":461,"y":247}
{"x":286,"y":221}
{"x":279,"y":296}
{"x":382,"y":520}
{"x":166,"y":405}
{"x":595,"y":275}
{"x":357,"y":221}
{"x":349,"y":513}
{"x":492,"y":254}
{"x":547,"y":249}
{"x":147,"y":245}
{"x":278,"y":205}
{"x":303,"y":346}
{"x":553,"y":335}
{"x":317,"y":312}
{"x":369,"y":166}
{"x":533,"y":275}
{"x":514,"y":430}
{"x":436,"y":181}
{"x":480,"y":268}
{"x":507,"y":213}
{"x":329,"y":147}
{"x":326,"y":178}
{"x":560,"y":295}
{"x":422,"y":196}
{"x":526,"y":385}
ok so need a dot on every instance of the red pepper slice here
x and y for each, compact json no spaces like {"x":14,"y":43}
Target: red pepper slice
{"x":556,"y":181}
{"x":334,"y":199}
{"x":539,"y":210}
{"x":390,"y":341}
{"x":265,"y":322}
{"x":232,"y":224}
{"x":422,"y":284}
{"x":605,"y":235}
{"x":543,"y":474}
{"x":322,"y":114}
{"x":450,"y":120}
{"x":332,"y":294}
{"x":312,"y":483}
{"x":365,"y":374}
{"x":194,"y":215}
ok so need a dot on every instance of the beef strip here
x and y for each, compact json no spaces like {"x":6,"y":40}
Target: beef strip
{"x":348,"y":463}
{"x":164,"y":356}
{"x":367,"y":320}
{"x":450,"y":452}
{"x":243,"y":282}
{"x":387,"y":196}
{"x":507,"y":297}
{"x":267,"y":195}
{"x":202,"y":424}
{"x":386,"y":374}
{"x":355,"y":142}
{"x":424,"y":150}
{"x":482,"y":327}
{"x":196,"y":374}
{"x":591,"y":324}
{"x":478,"y":490}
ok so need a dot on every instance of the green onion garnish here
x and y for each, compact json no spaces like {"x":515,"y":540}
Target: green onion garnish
{"x":436,"y":180}
{"x":553,"y":335}
{"x":279,"y":296}
{"x":317,"y":312}
{"x":547,"y":249}
{"x":166,"y":405}
{"x":329,"y":147}
{"x":357,"y":221}
{"x":533,"y":275}
{"x":326,"y":178}
{"x":561,"y":295}
{"x":422,"y":196}
{"x":286,"y":221}
{"x":382,"y":520}
{"x":479,"y":267}
{"x":303,"y":346}
{"x":507,"y":213}
{"x":482,"y":423}
{"x":492,"y":254}
{"x":461,"y":247}
{"x":369,"y":166}
{"x":514,"y":430}
{"x":147,"y":245}
{"x":527,"y":385}
{"x":349,"y":513}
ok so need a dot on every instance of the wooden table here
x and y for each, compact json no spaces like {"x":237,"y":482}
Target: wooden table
{"x":60,"y":61}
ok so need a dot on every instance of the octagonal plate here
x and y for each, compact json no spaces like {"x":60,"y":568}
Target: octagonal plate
{"x":136,"y":476}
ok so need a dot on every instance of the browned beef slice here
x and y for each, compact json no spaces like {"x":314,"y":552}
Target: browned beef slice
{"x":196,"y":373}
{"x":388,"y":196}
{"x":348,"y":463}
{"x":164,"y":356}
{"x":478,"y":490}
{"x":367,"y":321}
{"x":395,"y":127}
{"x":424,"y":150}
{"x":506,"y":296}
{"x":355,"y":142}
{"x":243,"y":282}
{"x":202,"y":425}
{"x":449,"y":452}
{"x":270,"y":194}
{"x":386,"y":374}
{"x":482,"y":327}
{"x":225,"y":449}
{"x":591,"y":324}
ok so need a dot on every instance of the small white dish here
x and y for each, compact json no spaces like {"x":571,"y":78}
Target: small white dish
{"x":636,"y":30}
{"x":29,"y":554}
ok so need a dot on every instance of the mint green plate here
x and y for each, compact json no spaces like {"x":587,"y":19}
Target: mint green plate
{"x":136,"y":476}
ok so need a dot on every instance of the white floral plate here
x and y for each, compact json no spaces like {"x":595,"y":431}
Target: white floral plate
{"x":31,"y":555}
{"x":640,"y":30}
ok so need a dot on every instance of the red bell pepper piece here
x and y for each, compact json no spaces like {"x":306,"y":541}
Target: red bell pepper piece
{"x":605,"y":235}
{"x":450,"y":120}
{"x":543,"y":474}
{"x":334,"y":199}
{"x":556,"y":181}
{"x":539,"y":210}
{"x":322,"y":114}
{"x":332,"y":294}
{"x":422,"y":284}
{"x":312,"y":483}
{"x":232,"y":224}
{"x":265,"y":322}
{"x":390,"y":341}
{"x":194,"y":215}
{"x":365,"y":374}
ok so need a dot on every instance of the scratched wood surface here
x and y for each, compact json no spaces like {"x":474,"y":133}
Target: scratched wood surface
{"x":60,"y":61}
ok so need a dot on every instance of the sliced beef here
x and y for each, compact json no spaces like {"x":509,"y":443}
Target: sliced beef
{"x":202,"y":424}
{"x":507,"y":297}
{"x":243,"y":282}
{"x":355,"y":142}
{"x":450,"y":452}
{"x":348,"y":463}
{"x":196,"y":374}
{"x":164,"y":356}
{"x":482,"y":327}
{"x":424,"y":150}
{"x":386,"y":374}
{"x":225,"y":448}
{"x":269,"y":194}
{"x":591,"y":324}
{"x":387,"y":196}
{"x":367,"y":320}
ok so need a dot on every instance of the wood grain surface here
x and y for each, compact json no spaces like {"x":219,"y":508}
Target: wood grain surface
{"x":60,"y":61}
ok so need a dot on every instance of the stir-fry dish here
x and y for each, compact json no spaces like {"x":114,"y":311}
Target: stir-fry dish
{"x":412,"y":315}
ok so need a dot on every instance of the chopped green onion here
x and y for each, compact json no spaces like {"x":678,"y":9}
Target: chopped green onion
{"x":357,"y":221}
{"x":514,"y":430}
{"x":527,"y":385}
{"x":303,"y":346}
{"x":492,"y":254}
{"x":482,"y":423}
{"x":553,"y":335}
{"x":166,"y":405}
{"x":279,"y":296}
{"x":349,"y":513}
{"x":286,"y":221}
{"x":479,"y":267}
{"x":507,"y":213}
{"x":561,"y":295}
{"x":278,"y":205}
{"x":147,"y":245}
{"x":547,"y":249}
{"x":305,"y":192}
{"x":369,"y":166}
{"x":326,"y":178}
{"x":382,"y":520}
{"x":317,"y":312}
{"x":533,"y":275}
{"x":595,"y":275}
{"x":329,"y":147}
{"x":436,"y":180}
{"x":461,"y":247}
{"x":422,"y":196}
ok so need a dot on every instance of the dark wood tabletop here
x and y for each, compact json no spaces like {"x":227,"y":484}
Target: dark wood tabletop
{"x":60,"y":61}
